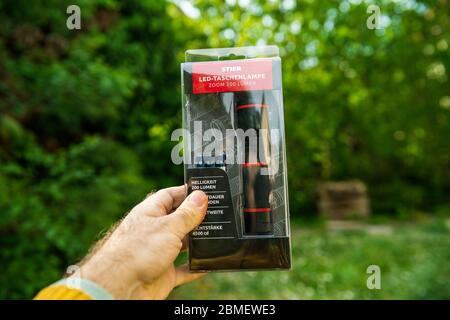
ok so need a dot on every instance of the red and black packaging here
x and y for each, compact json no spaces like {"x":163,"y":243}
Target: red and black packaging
{"x":234,"y":151}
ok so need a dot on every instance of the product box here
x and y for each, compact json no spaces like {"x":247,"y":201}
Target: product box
{"x":234,"y":150}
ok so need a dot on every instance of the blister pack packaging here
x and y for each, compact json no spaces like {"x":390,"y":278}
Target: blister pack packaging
{"x":234,"y":151}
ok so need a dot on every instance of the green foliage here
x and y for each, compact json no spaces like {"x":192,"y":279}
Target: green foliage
{"x":84,"y":126}
{"x":359,"y":103}
{"x":413,"y":261}
{"x":86,"y":115}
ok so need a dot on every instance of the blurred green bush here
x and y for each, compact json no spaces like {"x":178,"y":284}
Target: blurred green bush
{"x":86,"y":116}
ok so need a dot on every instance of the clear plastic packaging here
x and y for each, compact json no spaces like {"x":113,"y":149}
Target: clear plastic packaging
{"x":234,"y":150}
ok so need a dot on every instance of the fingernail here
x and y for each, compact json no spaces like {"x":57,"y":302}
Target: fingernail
{"x":197,"y":198}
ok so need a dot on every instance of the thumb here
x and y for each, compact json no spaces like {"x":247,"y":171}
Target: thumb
{"x":189,"y":214}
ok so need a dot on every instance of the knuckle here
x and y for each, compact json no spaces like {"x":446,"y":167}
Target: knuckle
{"x":165,"y":224}
{"x":188,"y":215}
{"x":162,"y":210}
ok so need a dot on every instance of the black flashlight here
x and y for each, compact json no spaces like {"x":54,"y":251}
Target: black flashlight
{"x":252,"y":113}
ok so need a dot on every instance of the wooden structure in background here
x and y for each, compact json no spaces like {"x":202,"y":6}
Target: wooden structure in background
{"x":345,"y":199}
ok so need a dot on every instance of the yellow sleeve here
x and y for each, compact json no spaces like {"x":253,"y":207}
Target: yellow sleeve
{"x":61,"y":292}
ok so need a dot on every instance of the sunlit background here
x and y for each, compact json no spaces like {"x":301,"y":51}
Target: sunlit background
{"x":86,"y":117}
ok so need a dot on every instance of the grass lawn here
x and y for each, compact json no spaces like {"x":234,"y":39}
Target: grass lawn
{"x":331,"y":264}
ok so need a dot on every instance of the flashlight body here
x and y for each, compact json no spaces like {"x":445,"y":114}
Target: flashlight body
{"x":252,"y":113}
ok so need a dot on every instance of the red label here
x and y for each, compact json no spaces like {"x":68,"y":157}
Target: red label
{"x":232,"y":75}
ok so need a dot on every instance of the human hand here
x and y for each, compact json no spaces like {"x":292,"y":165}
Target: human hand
{"x":136,"y":261}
